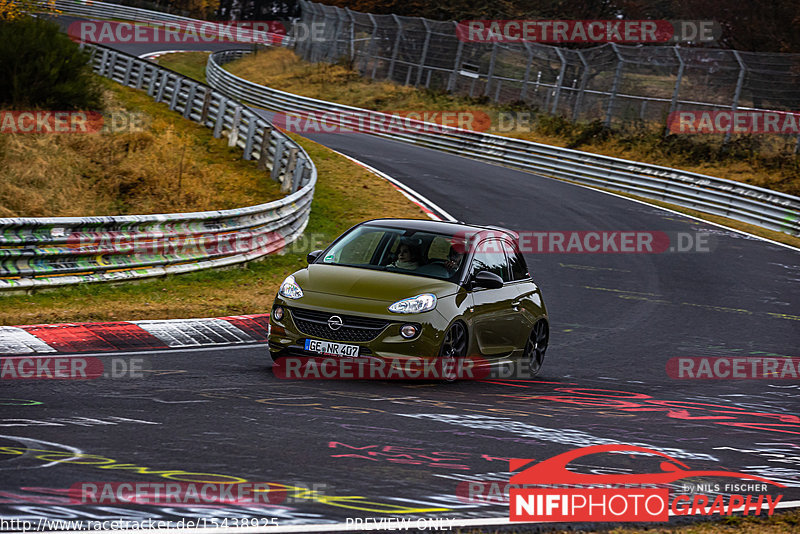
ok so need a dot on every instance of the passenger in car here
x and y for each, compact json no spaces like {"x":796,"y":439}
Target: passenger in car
{"x":454,"y":259}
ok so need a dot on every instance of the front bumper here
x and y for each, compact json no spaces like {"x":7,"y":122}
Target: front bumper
{"x":376,"y":335}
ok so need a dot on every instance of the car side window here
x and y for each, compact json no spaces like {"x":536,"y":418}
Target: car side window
{"x":489,"y":256}
{"x":516,"y":262}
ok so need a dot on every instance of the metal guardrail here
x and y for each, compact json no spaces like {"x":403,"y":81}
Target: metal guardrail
{"x":104,"y":10}
{"x":751,"y":204}
{"x":737,"y":200}
{"x":42,"y":252}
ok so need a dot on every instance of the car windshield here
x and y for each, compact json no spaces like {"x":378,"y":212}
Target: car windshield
{"x":401,"y":250}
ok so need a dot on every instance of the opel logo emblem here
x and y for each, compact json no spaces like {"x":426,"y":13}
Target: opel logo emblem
{"x":335,"y":322}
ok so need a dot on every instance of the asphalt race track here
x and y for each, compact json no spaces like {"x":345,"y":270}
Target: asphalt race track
{"x":390,"y":449}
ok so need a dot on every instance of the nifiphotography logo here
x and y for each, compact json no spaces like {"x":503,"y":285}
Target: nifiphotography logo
{"x":536,"y":493}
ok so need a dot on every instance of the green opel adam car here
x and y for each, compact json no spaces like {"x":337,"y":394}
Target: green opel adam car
{"x":413,"y":289}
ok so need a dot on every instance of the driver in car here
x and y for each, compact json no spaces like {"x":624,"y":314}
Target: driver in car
{"x":408,"y":256}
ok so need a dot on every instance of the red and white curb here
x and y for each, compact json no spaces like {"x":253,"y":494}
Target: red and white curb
{"x":155,"y":55}
{"x":134,"y":335}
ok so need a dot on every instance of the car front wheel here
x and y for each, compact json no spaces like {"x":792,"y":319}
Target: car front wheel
{"x":454,"y":346}
{"x":536,"y":346}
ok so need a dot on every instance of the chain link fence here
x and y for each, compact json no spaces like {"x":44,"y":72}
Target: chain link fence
{"x":620,"y":85}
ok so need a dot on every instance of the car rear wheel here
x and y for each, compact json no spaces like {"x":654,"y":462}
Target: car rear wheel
{"x":454,"y":346}
{"x":536,"y":346}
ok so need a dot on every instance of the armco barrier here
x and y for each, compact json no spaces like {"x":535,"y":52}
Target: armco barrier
{"x":109,"y":11}
{"x":737,"y":200}
{"x":755,"y":205}
{"x":40,"y":252}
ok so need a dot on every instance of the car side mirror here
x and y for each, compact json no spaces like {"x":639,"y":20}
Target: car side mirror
{"x":487,"y":280}
{"x":313,"y":255}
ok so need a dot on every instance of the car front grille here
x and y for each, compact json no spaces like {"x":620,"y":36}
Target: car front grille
{"x":354,"y":328}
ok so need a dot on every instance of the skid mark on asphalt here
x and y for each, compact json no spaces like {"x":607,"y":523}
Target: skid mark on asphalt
{"x":638,"y":295}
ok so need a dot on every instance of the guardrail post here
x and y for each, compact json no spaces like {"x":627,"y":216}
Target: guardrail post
{"x":276,"y":161}
{"x":560,"y":79}
{"x":286,"y":183}
{"x":614,"y":86}
{"x":491,"y":68}
{"x":451,"y":83}
{"x":233,"y":136}
{"x":250,"y":137}
{"x":263,"y":153}
{"x":396,"y":47}
{"x":162,"y":86}
{"x":140,"y":77}
{"x":673,"y":104}
{"x":92,"y":53}
{"x":424,"y":55}
{"x":112,"y":63}
{"x":187,"y":108}
{"x":151,"y":87}
{"x":176,"y":92}
{"x":206,"y":104}
{"x":738,"y":93}
{"x":220,"y":119}
{"x":297,"y":175}
{"x":582,"y":90}
{"x":128,"y":72}
{"x":101,"y":67}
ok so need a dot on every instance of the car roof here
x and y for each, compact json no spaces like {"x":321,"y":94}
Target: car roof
{"x":442,"y":227}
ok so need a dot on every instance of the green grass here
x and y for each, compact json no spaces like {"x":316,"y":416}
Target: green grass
{"x":191,"y":64}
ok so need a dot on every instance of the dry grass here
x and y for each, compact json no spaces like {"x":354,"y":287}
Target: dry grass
{"x":172,"y":166}
{"x":346,"y":194}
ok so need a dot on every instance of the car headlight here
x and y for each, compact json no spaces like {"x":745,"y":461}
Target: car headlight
{"x":418,"y":304}
{"x":290,"y":289}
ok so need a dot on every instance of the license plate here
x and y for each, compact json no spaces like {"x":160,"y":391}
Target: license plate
{"x":329,"y":348}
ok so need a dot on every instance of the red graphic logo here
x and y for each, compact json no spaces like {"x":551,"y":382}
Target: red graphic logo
{"x":618,"y":504}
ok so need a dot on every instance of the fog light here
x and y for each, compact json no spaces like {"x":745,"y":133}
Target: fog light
{"x":277,"y":313}
{"x":408,"y":331}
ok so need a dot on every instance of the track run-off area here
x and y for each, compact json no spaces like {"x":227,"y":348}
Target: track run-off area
{"x":338,"y":453}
